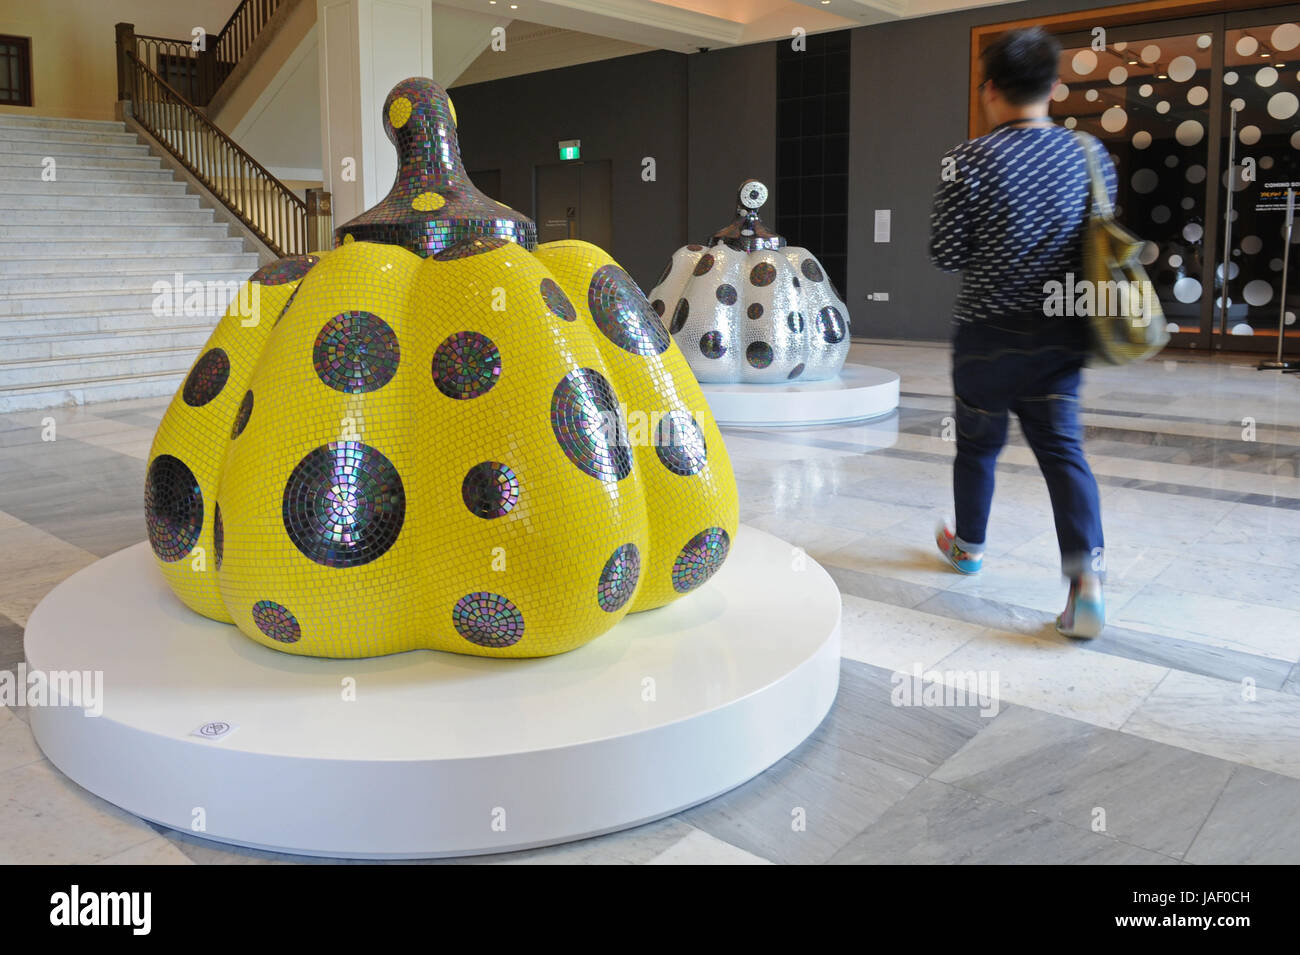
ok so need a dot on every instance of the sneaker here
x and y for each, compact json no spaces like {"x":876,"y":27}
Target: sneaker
{"x":1083,"y":616}
{"x":962,"y":561}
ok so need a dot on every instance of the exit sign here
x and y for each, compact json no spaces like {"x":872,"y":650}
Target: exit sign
{"x":570,"y":148}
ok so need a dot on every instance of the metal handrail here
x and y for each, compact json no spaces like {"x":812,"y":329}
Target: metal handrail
{"x":243,"y":29}
{"x":261,"y":201}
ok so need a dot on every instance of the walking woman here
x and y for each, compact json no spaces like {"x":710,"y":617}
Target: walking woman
{"x":1009,"y":214}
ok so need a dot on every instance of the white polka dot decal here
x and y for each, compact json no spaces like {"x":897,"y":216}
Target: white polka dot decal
{"x":1283,"y":105}
{"x":1182,"y":69}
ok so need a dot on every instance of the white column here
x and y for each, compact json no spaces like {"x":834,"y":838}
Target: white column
{"x":366,"y":48}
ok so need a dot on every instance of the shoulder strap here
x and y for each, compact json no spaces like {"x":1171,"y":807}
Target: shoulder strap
{"x":1100,"y":194}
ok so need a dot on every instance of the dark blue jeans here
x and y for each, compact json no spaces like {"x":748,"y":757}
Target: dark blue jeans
{"x":1030,"y":367}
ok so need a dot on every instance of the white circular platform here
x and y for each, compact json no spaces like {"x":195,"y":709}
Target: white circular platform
{"x":860,"y":392}
{"x":439,"y":754}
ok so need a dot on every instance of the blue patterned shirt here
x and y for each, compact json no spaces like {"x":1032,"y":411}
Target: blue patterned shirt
{"x":1011,"y":217}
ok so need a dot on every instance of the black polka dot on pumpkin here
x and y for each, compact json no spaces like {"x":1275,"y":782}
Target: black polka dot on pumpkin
{"x":466,"y":365}
{"x":755,"y":311}
{"x":711,"y":345}
{"x":557,"y":301}
{"x":811,"y":271}
{"x":795,"y":372}
{"x":472,"y":245}
{"x":658,"y":306}
{"x":759,"y":354}
{"x":276,"y":622}
{"x":680,"y":314}
{"x":344,"y":504}
{"x":586,"y":422}
{"x":795,"y":322}
{"x":700,"y":559}
{"x":285,"y":270}
{"x":726,"y":294}
{"x":831,"y":323}
{"x":218,"y":534}
{"x":705,"y":263}
{"x":356,"y":352}
{"x":242,"y":415}
{"x":762,"y":274}
{"x":173,"y":507}
{"x":490,"y":489}
{"x":618,"y":579}
{"x":206,"y":378}
{"x":488,"y":620}
{"x":622,"y":313}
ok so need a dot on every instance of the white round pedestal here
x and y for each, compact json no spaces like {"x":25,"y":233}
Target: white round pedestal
{"x":437,"y":754}
{"x":860,"y":392}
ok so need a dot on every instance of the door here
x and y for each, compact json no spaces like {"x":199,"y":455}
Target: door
{"x":1261,"y":118}
{"x":1169,"y":99}
{"x":1150,"y":97}
{"x":573,"y":201}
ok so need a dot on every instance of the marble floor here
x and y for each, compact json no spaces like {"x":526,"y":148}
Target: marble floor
{"x":1174,"y":737}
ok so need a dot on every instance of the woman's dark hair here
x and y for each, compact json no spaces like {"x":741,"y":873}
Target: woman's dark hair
{"x":1022,"y":64}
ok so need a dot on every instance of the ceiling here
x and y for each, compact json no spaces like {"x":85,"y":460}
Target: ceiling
{"x":584,"y":30}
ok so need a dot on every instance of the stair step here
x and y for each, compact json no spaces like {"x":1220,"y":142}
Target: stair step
{"x":68,"y":173}
{"x":194,"y":258}
{"x":82,"y":392}
{"x":33,"y":185}
{"x":138,"y":298}
{"x":189,"y":242}
{"x":57,"y":371}
{"x":81,"y":257}
{"x":36,"y":160}
{"x":104,"y":137}
{"x":69,"y":220}
{"x":33,"y":147}
{"x":100,"y":345}
{"x":125,"y":203}
{"x":13,"y":121}
{"x":16,"y":288}
{"x":94,"y":323}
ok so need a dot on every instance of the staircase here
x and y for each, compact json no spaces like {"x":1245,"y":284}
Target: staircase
{"x":79,"y":259}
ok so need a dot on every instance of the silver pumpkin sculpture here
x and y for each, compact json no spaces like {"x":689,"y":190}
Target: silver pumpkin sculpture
{"x":749,"y":308}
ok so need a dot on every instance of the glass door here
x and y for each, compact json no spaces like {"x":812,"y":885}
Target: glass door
{"x":1189,"y":110}
{"x":1148,"y":93}
{"x":1260,"y":119}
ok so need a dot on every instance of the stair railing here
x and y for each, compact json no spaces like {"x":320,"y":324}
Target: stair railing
{"x":197,"y":67}
{"x":261,"y":201}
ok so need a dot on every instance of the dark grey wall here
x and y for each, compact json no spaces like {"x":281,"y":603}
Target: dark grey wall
{"x":710,"y":121}
{"x":623,"y":110}
{"x":908,"y":105}
{"x":731,"y":134}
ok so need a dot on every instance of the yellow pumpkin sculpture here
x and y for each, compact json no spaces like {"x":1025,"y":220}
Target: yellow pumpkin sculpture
{"x":435,"y":437}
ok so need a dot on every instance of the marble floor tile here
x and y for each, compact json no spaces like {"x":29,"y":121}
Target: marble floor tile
{"x":1257,"y":727}
{"x":700,"y":848}
{"x":157,"y":851}
{"x":1214,"y":620}
{"x":17,"y":747}
{"x":878,"y":587}
{"x":806,"y":806}
{"x":11,"y":643}
{"x":31,"y":563}
{"x":895,"y":638}
{"x":1057,"y":675}
{"x":865,"y":721}
{"x":1263,"y":584}
{"x":1142,"y":793}
{"x":941,"y":824}
{"x":47,"y":819}
{"x":630,"y":847}
{"x":1255,"y":822}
